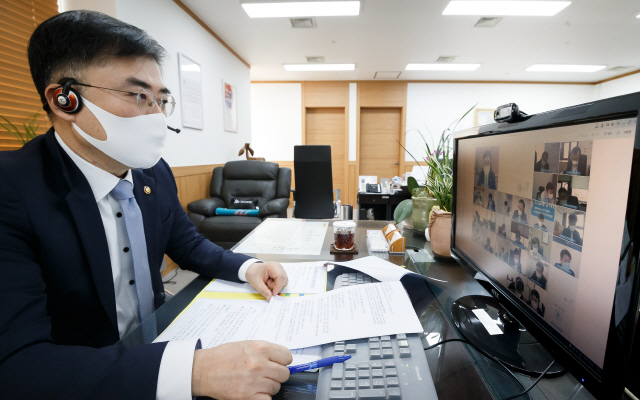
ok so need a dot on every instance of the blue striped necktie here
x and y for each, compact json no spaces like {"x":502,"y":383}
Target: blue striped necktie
{"x":123,"y":192}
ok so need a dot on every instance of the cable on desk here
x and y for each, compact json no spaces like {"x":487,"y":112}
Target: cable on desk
{"x":171,"y":280}
{"x":497,"y":360}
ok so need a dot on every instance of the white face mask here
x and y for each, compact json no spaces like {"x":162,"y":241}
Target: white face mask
{"x":534,"y":249}
{"x":562,"y":202}
{"x":487,"y":169}
{"x":566,"y":266}
{"x":534,"y":304}
{"x":572,"y":228}
{"x":136,"y":142}
{"x":516,"y":261}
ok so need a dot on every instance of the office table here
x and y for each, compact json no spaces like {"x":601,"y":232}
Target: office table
{"x":458,"y":371}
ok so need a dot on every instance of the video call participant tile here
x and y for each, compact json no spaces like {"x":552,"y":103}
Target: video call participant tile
{"x":478,"y":196}
{"x":489,"y":241}
{"x":520,"y":234}
{"x":547,"y":157}
{"x":569,"y":225}
{"x":521,"y":209}
{"x":545,"y":187}
{"x":575,"y":158}
{"x":518,"y":258}
{"x":503,"y":224}
{"x":572,"y":192}
{"x":542,"y":216}
{"x":504,"y":203}
{"x":490,"y":202}
{"x":527,"y":292}
{"x":566,"y":257}
{"x":486,"y":167}
{"x":502,"y":249}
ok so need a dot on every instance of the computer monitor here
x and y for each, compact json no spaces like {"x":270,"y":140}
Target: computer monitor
{"x":561,"y":259}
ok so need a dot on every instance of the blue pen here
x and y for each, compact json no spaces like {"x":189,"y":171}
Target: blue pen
{"x":317,"y":364}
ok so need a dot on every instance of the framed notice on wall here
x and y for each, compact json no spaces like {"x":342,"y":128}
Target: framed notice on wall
{"x":230,"y":110}
{"x":190,"y":92}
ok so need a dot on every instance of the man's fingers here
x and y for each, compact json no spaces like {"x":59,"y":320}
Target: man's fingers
{"x":263,"y":290}
{"x":261,"y":396}
{"x":280,"y":282}
{"x":279,"y":354}
{"x":277,"y":372}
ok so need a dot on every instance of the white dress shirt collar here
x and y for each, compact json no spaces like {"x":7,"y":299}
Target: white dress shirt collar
{"x":101,"y":181}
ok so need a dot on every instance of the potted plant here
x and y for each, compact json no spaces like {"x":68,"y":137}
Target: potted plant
{"x":436,"y":196}
{"x":30,"y":128}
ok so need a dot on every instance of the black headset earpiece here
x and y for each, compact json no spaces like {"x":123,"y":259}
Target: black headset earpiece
{"x":67,"y":99}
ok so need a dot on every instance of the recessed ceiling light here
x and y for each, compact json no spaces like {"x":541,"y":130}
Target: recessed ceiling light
{"x":302,"y":9}
{"x":446,"y":59}
{"x":529,"y":8}
{"x":564,"y":68}
{"x":487,"y":22}
{"x":442,"y":67}
{"x":319,"y":67}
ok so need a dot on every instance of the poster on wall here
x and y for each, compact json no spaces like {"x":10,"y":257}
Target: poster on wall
{"x":230,"y":111}
{"x":190,"y":92}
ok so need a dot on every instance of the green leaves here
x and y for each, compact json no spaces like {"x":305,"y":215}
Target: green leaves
{"x":439,"y":162}
{"x":403,"y":210}
{"x":412,"y":184}
{"x":30,"y":128}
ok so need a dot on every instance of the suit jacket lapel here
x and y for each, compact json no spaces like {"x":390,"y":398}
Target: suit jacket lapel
{"x":86,"y":216}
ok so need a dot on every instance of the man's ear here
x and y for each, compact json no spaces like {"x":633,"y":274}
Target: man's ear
{"x":48,"y":94}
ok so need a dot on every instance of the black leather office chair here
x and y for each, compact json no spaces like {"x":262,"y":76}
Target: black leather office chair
{"x":244,"y":180}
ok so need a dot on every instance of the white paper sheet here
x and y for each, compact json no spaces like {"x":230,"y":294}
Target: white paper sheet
{"x":306,"y":355}
{"x":309,"y":277}
{"x":377,"y":268}
{"x":354,"y":312}
{"x":285,"y":236}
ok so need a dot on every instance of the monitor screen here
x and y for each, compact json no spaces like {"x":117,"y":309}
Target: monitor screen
{"x":542,"y":213}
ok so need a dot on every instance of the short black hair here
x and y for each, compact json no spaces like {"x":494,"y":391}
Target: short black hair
{"x":536,"y":294}
{"x":76,"y":39}
{"x":519,"y":285}
{"x":565,"y":252}
{"x":573,"y":218}
{"x":535,"y":240}
{"x":539,"y":265}
{"x":550,"y":186}
{"x":576,"y":150}
{"x":541,"y":216}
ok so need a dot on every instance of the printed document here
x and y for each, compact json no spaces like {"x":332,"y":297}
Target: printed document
{"x":308,"y":278}
{"x":353,"y":312}
{"x":285,"y":236}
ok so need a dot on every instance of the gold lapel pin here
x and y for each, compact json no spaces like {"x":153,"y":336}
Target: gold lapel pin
{"x":147,"y":190}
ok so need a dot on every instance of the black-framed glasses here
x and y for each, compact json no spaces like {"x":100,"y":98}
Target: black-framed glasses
{"x":146,"y":99}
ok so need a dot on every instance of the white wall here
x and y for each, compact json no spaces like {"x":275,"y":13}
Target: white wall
{"x":276,"y":118}
{"x":177,"y":32}
{"x":618,"y":87}
{"x":432,"y":107}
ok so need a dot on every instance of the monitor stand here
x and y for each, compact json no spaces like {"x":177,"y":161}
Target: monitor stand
{"x":516,"y":347}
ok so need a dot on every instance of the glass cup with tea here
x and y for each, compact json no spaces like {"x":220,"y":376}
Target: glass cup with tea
{"x":344,"y":233}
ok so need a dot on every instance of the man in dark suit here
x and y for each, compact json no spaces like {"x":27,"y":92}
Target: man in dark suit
{"x":542,"y":164}
{"x":577,"y":165}
{"x":571,"y":232}
{"x":88,"y":211}
{"x":487,"y":177}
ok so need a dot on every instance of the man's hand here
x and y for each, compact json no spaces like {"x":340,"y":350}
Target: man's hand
{"x":240,"y":370}
{"x":267,"y":278}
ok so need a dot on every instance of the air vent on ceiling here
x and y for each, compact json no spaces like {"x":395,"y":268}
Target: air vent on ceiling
{"x":302,"y":23}
{"x":619,"y":68}
{"x":315,"y":59}
{"x":446,"y":58}
{"x":387,"y":75}
{"x":487,"y":22}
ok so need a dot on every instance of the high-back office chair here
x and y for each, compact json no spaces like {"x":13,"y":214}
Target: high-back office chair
{"x":263,"y":181}
{"x":313,"y":195}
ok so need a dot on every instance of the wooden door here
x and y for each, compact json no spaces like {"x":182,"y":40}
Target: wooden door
{"x":326,"y":126}
{"x":379,"y":147}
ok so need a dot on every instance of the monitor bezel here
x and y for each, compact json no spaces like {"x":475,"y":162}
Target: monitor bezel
{"x":611,"y":381}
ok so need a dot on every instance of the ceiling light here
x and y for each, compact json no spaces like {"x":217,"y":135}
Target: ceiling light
{"x":638,"y":16}
{"x":315,"y":59}
{"x":487,"y":22}
{"x":564,"y":68}
{"x":442,"y":67}
{"x":447,"y":59}
{"x":302,"y":9}
{"x":319,"y":67}
{"x":529,"y":8}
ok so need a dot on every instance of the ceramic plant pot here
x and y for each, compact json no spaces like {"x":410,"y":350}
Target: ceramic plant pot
{"x":421,"y":209}
{"x":440,"y":233}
